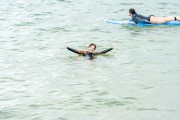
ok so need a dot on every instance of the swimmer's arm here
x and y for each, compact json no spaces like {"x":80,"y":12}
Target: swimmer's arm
{"x":104,"y":51}
{"x":75,"y":51}
{"x":135,"y":19}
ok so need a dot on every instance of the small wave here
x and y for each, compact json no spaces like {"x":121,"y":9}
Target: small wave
{"x":131,"y":3}
{"x":6,"y":114}
{"x":147,"y":109}
{"x":24,"y":24}
{"x":67,"y":1}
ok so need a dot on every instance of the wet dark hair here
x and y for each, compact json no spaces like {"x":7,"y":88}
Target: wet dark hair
{"x":92,"y":44}
{"x":132,"y":11}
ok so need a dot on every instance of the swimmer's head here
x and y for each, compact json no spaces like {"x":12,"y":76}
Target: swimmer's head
{"x":92,"y":47}
{"x":132,"y":12}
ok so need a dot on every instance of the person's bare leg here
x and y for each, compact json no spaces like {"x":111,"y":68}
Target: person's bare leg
{"x":178,"y":18}
{"x":159,"y":20}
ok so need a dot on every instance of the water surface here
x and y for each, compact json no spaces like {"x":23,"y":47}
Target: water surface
{"x":41,"y":80}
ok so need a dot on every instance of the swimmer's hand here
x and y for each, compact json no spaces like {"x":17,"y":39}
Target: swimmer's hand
{"x":65,"y":45}
{"x":113,"y":45}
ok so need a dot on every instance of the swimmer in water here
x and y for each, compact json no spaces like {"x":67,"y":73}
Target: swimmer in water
{"x":137,"y":18}
{"x":90,"y":52}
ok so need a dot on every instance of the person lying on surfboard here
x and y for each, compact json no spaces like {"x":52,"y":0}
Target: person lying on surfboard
{"x":137,"y":18}
{"x":90,"y":52}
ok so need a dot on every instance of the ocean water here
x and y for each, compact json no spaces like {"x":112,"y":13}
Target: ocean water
{"x":41,"y":80}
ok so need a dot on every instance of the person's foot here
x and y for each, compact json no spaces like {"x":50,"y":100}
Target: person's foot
{"x":178,"y":18}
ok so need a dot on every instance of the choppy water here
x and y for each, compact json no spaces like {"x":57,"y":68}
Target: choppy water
{"x":41,"y":80}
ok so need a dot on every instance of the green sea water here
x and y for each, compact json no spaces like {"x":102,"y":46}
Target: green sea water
{"x":41,"y":80}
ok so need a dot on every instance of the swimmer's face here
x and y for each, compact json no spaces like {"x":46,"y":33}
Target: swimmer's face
{"x":91,"y":48}
{"x":130,"y":14}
